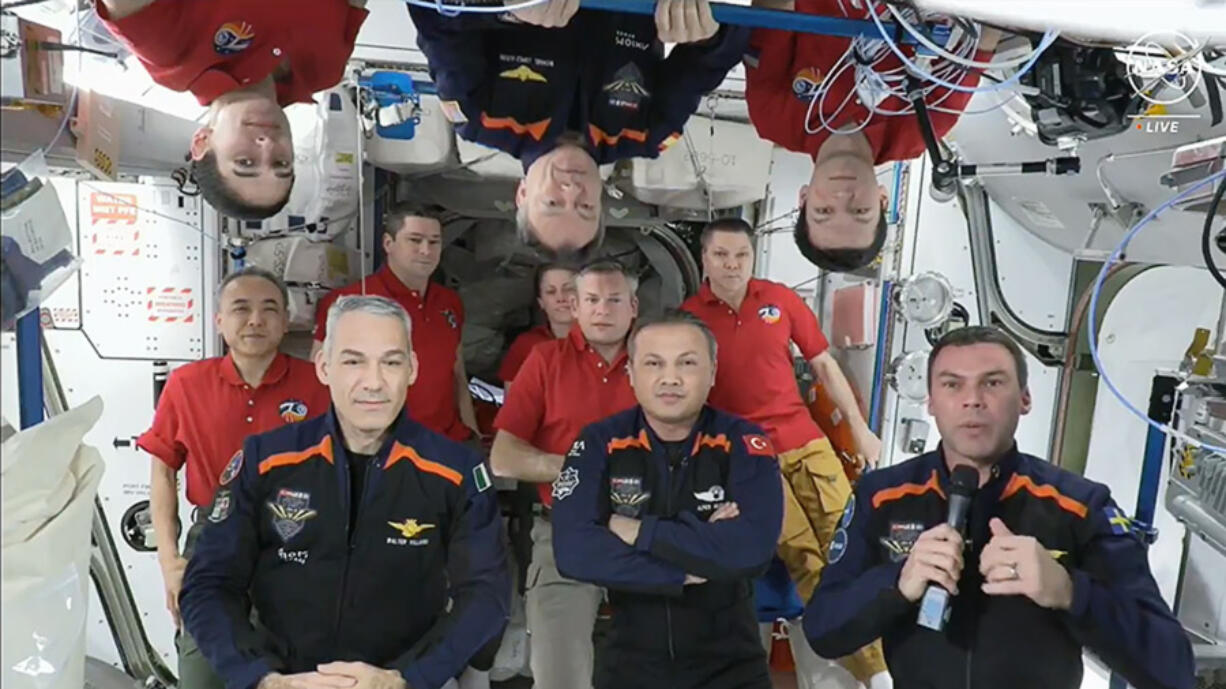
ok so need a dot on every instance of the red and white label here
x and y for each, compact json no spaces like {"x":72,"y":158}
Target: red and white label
{"x":170,"y":305}
{"x":115,"y":241}
{"x":758,"y":445}
{"x":106,"y":208}
{"x":60,"y":317}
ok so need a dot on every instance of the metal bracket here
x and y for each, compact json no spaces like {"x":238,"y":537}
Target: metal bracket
{"x":1125,"y":216}
{"x":1147,"y":532}
{"x":1046,"y":345}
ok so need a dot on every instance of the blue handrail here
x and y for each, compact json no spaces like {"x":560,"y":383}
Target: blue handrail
{"x":762,"y":18}
{"x":30,"y":368}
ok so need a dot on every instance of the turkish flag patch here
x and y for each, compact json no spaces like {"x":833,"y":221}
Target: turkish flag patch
{"x":758,"y":445}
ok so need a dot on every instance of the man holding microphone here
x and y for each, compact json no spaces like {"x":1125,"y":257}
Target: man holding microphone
{"x":1047,"y":564}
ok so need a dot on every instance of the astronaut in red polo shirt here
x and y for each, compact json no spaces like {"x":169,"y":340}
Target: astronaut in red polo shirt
{"x":413,"y":243}
{"x":755,"y":323}
{"x":811,"y":94}
{"x":555,"y":293}
{"x":245,"y":60}
{"x":206,"y":411}
{"x":563,"y":386}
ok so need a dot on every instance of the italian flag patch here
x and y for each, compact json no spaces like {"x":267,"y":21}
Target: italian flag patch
{"x":481,"y":478}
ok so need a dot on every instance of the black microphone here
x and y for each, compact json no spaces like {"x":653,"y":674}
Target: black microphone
{"x":964,"y":481}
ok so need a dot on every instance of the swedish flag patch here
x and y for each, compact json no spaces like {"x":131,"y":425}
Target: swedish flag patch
{"x":1120,"y":523}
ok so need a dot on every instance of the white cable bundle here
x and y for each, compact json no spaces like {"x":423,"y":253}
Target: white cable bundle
{"x":875,"y":83}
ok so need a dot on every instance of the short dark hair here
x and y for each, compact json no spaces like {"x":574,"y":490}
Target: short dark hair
{"x":838,"y":260}
{"x":218,"y":194}
{"x":252,"y":271}
{"x":980,"y":334}
{"x":548,"y":266}
{"x":609,"y":266}
{"x":673,"y":317}
{"x":394,"y":217}
{"x":725,"y":225}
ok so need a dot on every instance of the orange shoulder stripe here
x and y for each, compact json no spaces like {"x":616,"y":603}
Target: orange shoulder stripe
{"x":323,"y":449}
{"x":1019,"y":482}
{"x":624,"y":443}
{"x":400,"y":452}
{"x":534,"y":129}
{"x":889,"y":494}
{"x":600,"y":136}
{"x":715,"y":441}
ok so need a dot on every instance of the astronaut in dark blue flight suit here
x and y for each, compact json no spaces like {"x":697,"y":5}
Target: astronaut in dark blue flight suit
{"x":1049,"y":564}
{"x":565,"y":90}
{"x":369,"y":546}
{"x":675,"y":508}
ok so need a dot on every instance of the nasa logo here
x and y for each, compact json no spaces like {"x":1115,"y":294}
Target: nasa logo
{"x":293,"y":411}
{"x":233,"y":38}
{"x":1164,"y":67}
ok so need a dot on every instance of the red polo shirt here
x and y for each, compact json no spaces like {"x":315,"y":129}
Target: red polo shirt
{"x":783,"y":70}
{"x":521,"y":348}
{"x":562,"y":387}
{"x":755,"y":377}
{"x":207,"y":410}
{"x":212,"y":47}
{"x":437,"y":322}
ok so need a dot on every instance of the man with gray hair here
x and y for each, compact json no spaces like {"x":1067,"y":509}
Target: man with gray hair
{"x":558,"y":203}
{"x":413,"y":244}
{"x":566,"y":90}
{"x":369,"y":546}
{"x":205,"y":411}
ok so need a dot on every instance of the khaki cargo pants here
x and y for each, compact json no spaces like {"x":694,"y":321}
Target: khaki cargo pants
{"x":561,"y":615}
{"x":815,"y":490}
